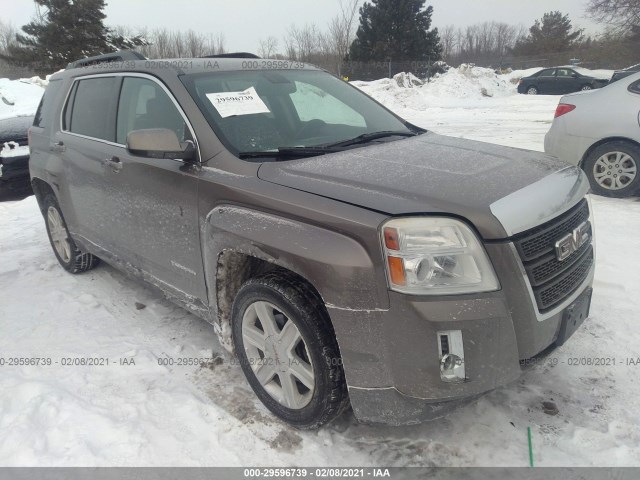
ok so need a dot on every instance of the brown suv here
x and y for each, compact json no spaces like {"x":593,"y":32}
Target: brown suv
{"x":344,"y":255}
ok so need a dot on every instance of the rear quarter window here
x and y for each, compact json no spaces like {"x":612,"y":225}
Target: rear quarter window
{"x":45,"y":113}
{"x":635,"y":87}
{"x":92,"y":109}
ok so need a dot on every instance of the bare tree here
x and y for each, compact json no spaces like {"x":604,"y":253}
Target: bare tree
{"x":301,"y":43}
{"x":178,"y":45}
{"x":216,"y":44}
{"x":268,"y":47}
{"x":448,"y":39}
{"x":7,"y":36}
{"x":341,"y":28}
{"x":195,"y":44}
{"x":623,"y":15}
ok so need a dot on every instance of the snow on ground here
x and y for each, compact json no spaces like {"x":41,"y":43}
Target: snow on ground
{"x":150,"y":414}
{"x":20,"y":97}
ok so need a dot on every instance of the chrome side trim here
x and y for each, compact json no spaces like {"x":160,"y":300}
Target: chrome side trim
{"x":541,"y":201}
{"x":557,"y":309}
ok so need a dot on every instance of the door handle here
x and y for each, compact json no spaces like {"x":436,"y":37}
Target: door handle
{"x":57,"y":147}
{"x":114,"y":164}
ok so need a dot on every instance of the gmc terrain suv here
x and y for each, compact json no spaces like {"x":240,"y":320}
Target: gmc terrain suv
{"x":342,"y":254}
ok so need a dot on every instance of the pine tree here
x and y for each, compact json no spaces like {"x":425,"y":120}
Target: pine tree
{"x":554,"y":33}
{"x":396,"y":30}
{"x":64,"y":31}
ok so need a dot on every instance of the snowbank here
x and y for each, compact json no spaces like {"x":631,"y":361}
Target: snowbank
{"x":20,"y":98}
{"x":464,"y":84}
{"x":460,"y":87}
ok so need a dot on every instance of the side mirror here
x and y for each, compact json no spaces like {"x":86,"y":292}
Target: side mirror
{"x":159,"y":143}
{"x":574,"y":75}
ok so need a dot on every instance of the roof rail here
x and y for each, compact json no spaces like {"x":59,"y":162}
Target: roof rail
{"x":232,"y":55}
{"x":119,"y":56}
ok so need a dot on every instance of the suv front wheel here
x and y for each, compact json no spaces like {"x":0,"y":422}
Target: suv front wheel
{"x":288,"y":351}
{"x":71,"y":258}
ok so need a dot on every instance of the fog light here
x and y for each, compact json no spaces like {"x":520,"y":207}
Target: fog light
{"x":451,"y":355}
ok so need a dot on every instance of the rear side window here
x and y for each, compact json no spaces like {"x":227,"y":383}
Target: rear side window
{"x":92,"y":106}
{"x":549,"y":72}
{"x":144,"y":104}
{"x":45,"y":113}
{"x":635,"y":87}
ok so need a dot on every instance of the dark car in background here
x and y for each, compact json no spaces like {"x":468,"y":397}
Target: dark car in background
{"x":620,"y":74}
{"x":14,"y":154}
{"x":558,"y":81}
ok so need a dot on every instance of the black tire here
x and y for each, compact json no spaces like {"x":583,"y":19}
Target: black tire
{"x":591,"y":169}
{"x":532,"y":90}
{"x":77,"y":261}
{"x":301,"y":305}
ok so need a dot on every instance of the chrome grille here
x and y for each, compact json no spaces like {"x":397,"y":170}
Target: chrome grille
{"x":552,"y":280}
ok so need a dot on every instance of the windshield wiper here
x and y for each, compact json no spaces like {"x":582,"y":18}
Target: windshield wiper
{"x":313,"y":151}
{"x":290,"y":152}
{"x":367,"y":137}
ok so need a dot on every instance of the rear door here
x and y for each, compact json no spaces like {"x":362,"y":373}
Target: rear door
{"x":547,"y":81}
{"x":86,"y":139}
{"x":567,"y":81}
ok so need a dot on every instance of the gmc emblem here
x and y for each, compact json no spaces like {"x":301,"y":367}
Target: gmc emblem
{"x":572,"y":241}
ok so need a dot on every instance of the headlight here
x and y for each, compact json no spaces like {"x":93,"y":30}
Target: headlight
{"x":435,"y":256}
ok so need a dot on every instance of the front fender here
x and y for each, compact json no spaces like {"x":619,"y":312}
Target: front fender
{"x":338,"y":266}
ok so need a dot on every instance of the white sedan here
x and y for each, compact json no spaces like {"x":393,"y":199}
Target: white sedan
{"x":599,"y":130}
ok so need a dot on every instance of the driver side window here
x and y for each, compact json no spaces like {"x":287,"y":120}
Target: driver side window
{"x":143,"y":105}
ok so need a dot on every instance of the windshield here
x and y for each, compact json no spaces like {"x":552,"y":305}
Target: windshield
{"x":271,"y":110}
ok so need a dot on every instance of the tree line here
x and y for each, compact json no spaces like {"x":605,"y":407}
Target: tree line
{"x":62,"y":31}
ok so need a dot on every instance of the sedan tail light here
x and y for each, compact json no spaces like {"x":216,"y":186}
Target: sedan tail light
{"x":564,"y":108}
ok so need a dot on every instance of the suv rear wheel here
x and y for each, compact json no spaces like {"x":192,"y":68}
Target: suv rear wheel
{"x":612,"y":169}
{"x":71,"y":258}
{"x":288,"y":351}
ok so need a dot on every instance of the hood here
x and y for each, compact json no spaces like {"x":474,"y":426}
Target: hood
{"x":442,"y":175}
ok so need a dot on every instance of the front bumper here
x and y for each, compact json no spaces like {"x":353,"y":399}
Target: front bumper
{"x":392,"y":360}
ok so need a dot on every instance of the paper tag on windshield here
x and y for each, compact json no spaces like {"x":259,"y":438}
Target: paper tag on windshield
{"x":229,"y":104}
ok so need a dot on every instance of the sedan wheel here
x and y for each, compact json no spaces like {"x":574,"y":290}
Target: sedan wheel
{"x":532,"y":91}
{"x":612,"y":169}
{"x":586,"y":88}
{"x":615,"y":170}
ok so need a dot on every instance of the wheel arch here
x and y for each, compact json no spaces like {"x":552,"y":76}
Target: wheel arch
{"x":40,"y":190}
{"x":240,"y":243}
{"x":604,"y":141}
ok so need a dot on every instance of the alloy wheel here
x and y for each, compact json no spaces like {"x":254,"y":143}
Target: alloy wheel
{"x":278,"y":355}
{"x":615,"y":170}
{"x":59,"y":235}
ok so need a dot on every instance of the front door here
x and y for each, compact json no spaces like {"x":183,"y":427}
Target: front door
{"x":157,"y":197}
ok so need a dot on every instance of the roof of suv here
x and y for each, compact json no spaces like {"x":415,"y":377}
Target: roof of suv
{"x":185,"y":65}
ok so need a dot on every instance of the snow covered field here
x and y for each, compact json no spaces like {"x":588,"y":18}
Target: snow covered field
{"x":153,"y":415}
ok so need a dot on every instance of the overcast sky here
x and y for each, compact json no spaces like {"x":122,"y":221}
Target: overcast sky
{"x":245,"y":22}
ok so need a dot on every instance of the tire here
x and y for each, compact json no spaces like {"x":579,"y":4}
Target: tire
{"x":532,"y":90}
{"x":612,"y":169}
{"x":72,"y":259}
{"x":586,"y":88}
{"x":269,"y":313}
